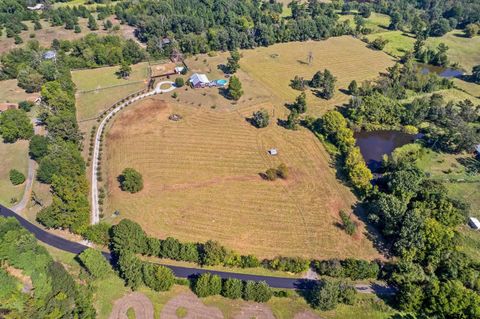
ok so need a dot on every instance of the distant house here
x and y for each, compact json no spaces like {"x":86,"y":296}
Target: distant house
{"x":273,"y":151}
{"x":474,"y":223}
{"x":477,"y":150}
{"x":179,"y":69}
{"x":38,"y":6}
{"x":7,"y":106}
{"x":198,"y":80}
{"x":49,"y":55}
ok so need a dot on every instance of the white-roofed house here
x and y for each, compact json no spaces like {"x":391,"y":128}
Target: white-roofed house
{"x":199,"y":80}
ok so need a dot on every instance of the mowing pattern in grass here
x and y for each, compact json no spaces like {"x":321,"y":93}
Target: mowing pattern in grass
{"x":201,"y":178}
{"x":347,"y":58}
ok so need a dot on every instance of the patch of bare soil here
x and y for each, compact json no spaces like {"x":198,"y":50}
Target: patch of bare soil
{"x":194,"y":306}
{"x":139,"y":302}
{"x":306,"y":315}
{"x":255,"y":310}
{"x":18,"y":273}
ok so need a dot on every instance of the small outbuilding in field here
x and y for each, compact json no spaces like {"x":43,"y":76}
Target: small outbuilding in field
{"x":273,"y":151}
{"x":474,"y":223}
{"x":198,"y":80}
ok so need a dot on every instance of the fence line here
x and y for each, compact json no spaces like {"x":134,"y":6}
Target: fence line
{"x":111,"y":87}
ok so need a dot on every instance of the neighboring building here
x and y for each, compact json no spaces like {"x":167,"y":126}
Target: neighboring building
{"x":273,"y":151}
{"x":474,"y":223}
{"x":7,"y":106}
{"x":49,"y":55}
{"x":198,"y":80}
{"x":38,"y":6}
{"x":477,"y":150}
{"x":179,"y":69}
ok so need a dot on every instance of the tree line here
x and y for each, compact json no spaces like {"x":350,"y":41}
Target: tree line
{"x":55,"y":292}
{"x":199,"y":27}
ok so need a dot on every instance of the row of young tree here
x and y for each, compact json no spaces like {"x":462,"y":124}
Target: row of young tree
{"x":55,"y":293}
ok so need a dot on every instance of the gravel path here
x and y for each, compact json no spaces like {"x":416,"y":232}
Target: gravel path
{"x":95,"y":218}
{"x":139,"y":302}
{"x":194,"y":306}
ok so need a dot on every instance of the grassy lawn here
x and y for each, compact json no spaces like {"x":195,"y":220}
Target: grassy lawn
{"x":377,"y":22}
{"x":347,"y":58}
{"x":97,"y":79}
{"x":14,"y":156}
{"x":462,"y":50}
{"x":186,"y":165}
{"x":92,"y":104}
{"x":10,"y":92}
{"x":398,"y":42}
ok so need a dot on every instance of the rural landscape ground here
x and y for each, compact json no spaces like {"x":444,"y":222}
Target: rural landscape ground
{"x":204,"y":172}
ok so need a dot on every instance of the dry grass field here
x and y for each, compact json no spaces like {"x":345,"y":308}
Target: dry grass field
{"x":202,"y":174}
{"x":347,"y":58}
{"x":202,"y":182}
{"x":48,"y":33}
{"x":10,"y":92}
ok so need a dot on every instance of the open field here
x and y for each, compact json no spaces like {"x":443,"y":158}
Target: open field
{"x":13,"y":156}
{"x":10,"y":92}
{"x":398,"y":43}
{"x":98,"y":89}
{"x":202,"y":182}
{"x":377,"y":22}
{"x":347,"y":58}
{"x":46,"y":35}
{"x":462,"y":50}
{"x":96,"y":79}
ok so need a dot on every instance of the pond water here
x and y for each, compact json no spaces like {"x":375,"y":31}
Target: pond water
{"x":441,"y":71}
{"x":374,"y":144}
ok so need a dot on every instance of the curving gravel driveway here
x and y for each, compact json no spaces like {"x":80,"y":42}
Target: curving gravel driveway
{"x":95,"y":218}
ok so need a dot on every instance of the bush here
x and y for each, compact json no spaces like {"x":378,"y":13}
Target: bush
{"x":26,"y":105}
{"x":213,"y":253}
{"x":95,"y":263}
{"x":157,"y":277}
{"x":207,"y":285}
{"x":282,"y":171}
{"x":290,"y":264}
{"x":232,"y":288}
{"x":360,"y":269}
{"x":131,"y":180}
{"x":347,"y":223}
{"x":257,"y":291}
{"x":179,"y":82}
{"x":16,"y":177}
{"x":260,"y":118}
{"x":325,"y":296}
{"x":331,"y":267}
{"x":271,"y":174}
{"x":98,"y":233}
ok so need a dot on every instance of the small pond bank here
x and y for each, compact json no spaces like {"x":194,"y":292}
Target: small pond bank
{"x":374,"y":144}
{"x":444,"y":72}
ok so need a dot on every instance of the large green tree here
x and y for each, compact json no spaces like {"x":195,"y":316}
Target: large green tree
{"x":15,"y":125}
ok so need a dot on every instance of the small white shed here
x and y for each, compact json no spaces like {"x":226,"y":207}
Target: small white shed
{"x":273,"y":151}
{"x":474,"y":223}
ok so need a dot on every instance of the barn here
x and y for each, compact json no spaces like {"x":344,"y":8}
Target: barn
{"x":198,"y":80}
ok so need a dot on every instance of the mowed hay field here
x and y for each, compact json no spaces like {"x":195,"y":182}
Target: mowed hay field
{"x":14,"y":156}
{"x":347,"y":58}
{"x":201,"y":177}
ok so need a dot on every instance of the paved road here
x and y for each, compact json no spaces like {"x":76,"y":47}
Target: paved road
{"x":183,"y":272}
{"x":95,"y":214}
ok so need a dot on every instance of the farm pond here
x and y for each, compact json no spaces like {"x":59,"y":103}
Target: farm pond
{"x":374,"y":144}
{"x":444,"y":72}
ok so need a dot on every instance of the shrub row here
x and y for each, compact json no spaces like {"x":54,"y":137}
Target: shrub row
{"x":354,"y":269}
{"x":208,"y":284}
